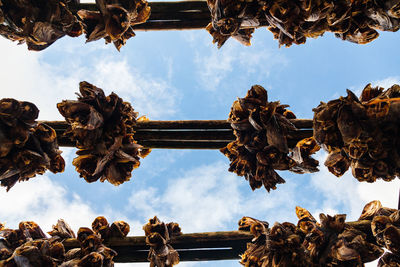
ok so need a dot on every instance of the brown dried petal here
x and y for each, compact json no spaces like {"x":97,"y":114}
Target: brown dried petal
{"x":370,"y":210}
{"x":119,"y":229}
{"x":62,"y":230}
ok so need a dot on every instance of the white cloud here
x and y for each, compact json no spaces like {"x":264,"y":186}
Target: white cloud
{"x":151,"y":96}
{"x":44,"y":201}
{"x":209,"y":198}
{"x":387,"y":82}
{"x":27,"y":75}
{"x":214,"y":66}
{"x":346,"y":192}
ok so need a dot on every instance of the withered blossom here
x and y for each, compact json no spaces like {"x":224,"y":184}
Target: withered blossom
{"x":331,"y":242}
{"x":118,"y":229}
{"x":29,"y":246}
{"x":361,"y":133}
{"x":102,"y":127}
{"x":158,"y":235}
{"x":27,"y":148}
{"x":261,"y":146}
{"x":38,"y":23}
{"x":293,"y":21}
{"x":114,"y":20}
{"x":62,"y":230}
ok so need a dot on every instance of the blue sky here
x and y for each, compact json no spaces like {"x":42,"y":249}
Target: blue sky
{"x":177,"y":75}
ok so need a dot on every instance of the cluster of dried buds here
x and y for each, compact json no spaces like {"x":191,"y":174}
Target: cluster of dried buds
{"x":92,"y":251}
{"x":262,"y":130}
{"x":114,"y":20}
{"x":331,"y":242}
{"x":361,"y":133}
{"x":295,"y":21}
{"x":27,"y":148}
{"x":158,"y":235}
{"x":40,"y":23}
{"x":385,"y":227}
{"x":29,"y":246}
{"x":102,"y":127}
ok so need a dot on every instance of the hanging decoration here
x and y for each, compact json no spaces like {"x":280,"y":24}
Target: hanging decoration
{"x":102,"y":127}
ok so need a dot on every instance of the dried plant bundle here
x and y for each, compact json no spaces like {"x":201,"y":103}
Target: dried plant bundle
{"x":102,"y":127}
{"x":40,"y":23}
{"x":329,"y":242}
{"x":158,"y":235}
{"x":292,"y":22}
{"x":114,"y":20}
{"x":29,"y":246}
{"x":262,"y":129}
{"x":27,"y":148}
{"x":361,"y":133}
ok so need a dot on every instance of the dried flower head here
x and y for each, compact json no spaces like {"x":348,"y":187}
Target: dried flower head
{"x":28,"y":148}
{"x":38,"y":23}
{"x":102,"y":127}
{"x":158,"y":235}
{"x":114,"y":20}
{"x":293,"y":21}
{"x":361,"y":133}
{"x":261,"y":146}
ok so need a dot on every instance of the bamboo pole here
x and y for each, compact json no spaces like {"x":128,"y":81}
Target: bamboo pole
{"x":193,"y":134}
{"x":195,"y":246}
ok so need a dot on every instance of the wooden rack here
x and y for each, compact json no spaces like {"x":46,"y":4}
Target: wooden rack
{"x":196,"y":246}
{"x":182,"y":15}
{"x":190,"y":134}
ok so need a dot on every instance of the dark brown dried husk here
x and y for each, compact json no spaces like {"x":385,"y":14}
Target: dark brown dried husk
{"x":29,"y":246}
{"x":331,"y":242}
{"x":158,"y":235}
{"x":38,"y":23}
{"x":28,"y":148}
{"x":292,"y":22}
{"x":361,"y":133}
{"x":102,"y":127}
{"x":261,"y":146}
{"x":118,"y":229}
{"x":93,"y":252}
{"x":114,"y":21}
{"x":62,"y":230}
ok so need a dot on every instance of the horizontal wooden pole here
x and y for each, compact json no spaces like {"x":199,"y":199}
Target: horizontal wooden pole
{"x":207,"y":246}
{"x":184,"y":134}
{"x":185,"y":124}
{"x":125,"y":255}
{"x":177,"y":15}
{"x":221,"y":239}
{"x":190,"y":134}
{"x":160,"y":7}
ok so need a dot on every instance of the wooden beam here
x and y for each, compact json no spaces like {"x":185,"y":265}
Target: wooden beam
{"x":195,"y":246}
{"x":177,"y":15}
{"x":191,"y":134}
{"x":185,"y":124}
{"x":191,"y":247}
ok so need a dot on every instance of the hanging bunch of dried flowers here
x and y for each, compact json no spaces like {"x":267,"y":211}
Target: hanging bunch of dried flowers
{"x":158,"y":235}
{"x":292,"y":22}
{"x":361,"y":133}
{"x":28,"y":148}
{"x":262,"y":129}
{"x":40,"y":23}
{"x":103,"y":128}
{"x":331,"y":242}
